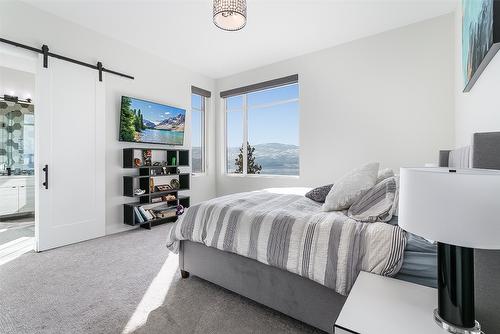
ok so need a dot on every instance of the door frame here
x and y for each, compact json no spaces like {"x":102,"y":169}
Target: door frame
{"x":18,"y":59}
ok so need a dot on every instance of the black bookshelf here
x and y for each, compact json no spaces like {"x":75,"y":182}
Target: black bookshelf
{"x":147,"y":178}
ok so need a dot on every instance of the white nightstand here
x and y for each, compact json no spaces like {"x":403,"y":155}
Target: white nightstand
{"x":386,"y":305}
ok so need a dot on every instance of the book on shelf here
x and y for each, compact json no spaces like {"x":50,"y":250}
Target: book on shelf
{"x":138,"y":215}
{"x":145,"y":213}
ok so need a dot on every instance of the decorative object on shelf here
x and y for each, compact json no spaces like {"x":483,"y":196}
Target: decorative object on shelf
{"x":137,"y":162}
{"x":151,"y":185}
{"x":174,"y":183}
{"x":480,"y":38}
{"x":156,"y":200}
{"x":230,"y":15}
{"x":146,"y":157}
{"x":166,"y":214}
{"x":156,"y":163}
{"x":139,"y":191}
{"x":164,"y":170}
{"x":180,"y":210}
{"x":169,"y":197}
{"x":163,"y":187}
{"x":173,"y":161}
{"x":461,"y":213}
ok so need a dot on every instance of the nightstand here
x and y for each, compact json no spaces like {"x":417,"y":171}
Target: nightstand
{"x":386,"y":305}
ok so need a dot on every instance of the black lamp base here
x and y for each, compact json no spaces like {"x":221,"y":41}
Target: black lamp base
{"x":455,"y":312}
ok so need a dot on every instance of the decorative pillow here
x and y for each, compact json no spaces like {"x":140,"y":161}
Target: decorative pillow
{"x":376,"y":204}
{"x":319,"y":194}
{"x":351,"y":187}
{"x":384,"y":174}
{"x":395,"y":206}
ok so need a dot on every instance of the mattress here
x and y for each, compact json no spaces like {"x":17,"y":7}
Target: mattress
{"x":419,"y":260}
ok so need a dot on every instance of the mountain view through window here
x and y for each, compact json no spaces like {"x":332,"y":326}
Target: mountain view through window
{"x":268,"y":121}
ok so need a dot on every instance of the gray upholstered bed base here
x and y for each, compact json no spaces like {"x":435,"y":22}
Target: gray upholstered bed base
{"x":295,"y":296}
{"x":484,"y":153}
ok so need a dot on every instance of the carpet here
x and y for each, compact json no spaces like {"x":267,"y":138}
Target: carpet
{"x":123,"y":283}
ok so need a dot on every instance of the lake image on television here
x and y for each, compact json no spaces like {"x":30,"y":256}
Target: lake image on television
{"x":149,"y":122}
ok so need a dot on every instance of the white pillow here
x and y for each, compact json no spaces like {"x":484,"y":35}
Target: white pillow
{"x":384,"y":174}
{"x":351,"y":187}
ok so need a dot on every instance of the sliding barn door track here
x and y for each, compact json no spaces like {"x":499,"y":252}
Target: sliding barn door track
{"x":44,"y":50}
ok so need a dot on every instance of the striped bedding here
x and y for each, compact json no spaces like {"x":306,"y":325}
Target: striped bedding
{"x":289,"y":231}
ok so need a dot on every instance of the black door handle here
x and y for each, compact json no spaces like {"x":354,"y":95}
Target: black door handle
{"x":46,"y":183}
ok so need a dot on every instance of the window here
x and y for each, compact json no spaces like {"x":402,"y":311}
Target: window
{"x":262,"y":125}
{"x":199,"y":99}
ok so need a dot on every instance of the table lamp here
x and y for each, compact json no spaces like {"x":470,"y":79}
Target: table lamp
{"x":460,"y":209}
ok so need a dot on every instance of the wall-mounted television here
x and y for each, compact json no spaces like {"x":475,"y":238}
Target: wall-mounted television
{"x":149,"y":122}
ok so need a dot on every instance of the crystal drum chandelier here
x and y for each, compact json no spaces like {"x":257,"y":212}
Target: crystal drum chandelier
{"x":230,"y":15}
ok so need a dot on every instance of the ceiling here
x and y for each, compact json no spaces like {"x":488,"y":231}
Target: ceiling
{"x":182,"y":31}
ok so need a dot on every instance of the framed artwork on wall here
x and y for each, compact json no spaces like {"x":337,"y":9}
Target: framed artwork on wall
{"x":480,"y":37}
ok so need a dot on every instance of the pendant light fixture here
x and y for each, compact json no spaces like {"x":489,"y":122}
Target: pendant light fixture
{"x":230,"y":15}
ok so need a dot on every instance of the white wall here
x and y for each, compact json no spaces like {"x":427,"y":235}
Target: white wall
{"x":386,"y":98}
{"x":477,"y":110}
{"x":155,"y":79}
{"x":17,"y":83}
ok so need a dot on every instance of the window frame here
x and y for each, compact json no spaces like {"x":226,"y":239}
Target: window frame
{"x":244,"y":111}
{"x":203,"y":135}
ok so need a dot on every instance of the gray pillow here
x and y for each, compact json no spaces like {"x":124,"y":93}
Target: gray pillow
{"x":351,"y":187}
{"x":376,"y":204}
{"x":319,"y":194}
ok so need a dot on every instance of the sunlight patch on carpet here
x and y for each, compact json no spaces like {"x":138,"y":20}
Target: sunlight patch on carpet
{"x":155,"y":295}
{"x":15,"y":248}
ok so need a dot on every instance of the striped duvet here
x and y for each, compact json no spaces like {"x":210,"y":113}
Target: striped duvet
{"x":291,"y":232}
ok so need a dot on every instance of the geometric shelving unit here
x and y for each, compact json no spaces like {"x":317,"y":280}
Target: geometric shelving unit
{"x":151,"y":176}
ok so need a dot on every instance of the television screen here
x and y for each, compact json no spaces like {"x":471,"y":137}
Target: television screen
{"x":148,"y":122}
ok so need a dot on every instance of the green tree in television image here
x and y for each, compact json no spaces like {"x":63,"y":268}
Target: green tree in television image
{"x":252,"y":167}
{"x":139,"y":120}
{"x":127,"y":124}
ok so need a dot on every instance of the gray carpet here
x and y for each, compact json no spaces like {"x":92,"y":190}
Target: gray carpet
{"x":105,"y":286}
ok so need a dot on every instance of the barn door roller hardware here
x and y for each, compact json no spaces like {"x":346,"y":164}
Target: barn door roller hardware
{"x":46,"y":54}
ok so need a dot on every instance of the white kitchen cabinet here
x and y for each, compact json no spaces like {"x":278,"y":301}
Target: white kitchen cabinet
{"x":8,"y":200}
{"x":17,"y":195}
{"x":26,"y":198}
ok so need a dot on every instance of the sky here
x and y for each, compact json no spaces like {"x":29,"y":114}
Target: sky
{"x":276,"y":124}
{"x":195,"y":120}
{"x":155,"y":112}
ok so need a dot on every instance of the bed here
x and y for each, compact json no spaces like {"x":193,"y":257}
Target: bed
{"x":305,"y":298}
{"x":288,"y":271}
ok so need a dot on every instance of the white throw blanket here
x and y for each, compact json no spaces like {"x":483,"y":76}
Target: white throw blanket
{"x":291,"y":232}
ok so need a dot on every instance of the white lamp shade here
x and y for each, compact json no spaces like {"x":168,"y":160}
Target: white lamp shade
{"x":460,"y":208}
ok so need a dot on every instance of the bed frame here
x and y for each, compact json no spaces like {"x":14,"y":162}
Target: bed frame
{"x":288,"y":293}
{"x":315,"y":304}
